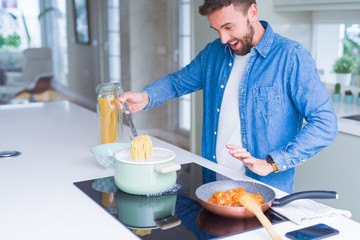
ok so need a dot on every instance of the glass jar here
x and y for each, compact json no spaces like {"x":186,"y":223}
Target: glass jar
{"x":110,"y":121}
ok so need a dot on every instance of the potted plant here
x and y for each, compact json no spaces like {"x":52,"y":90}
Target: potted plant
{"x":337,"y":95}
{"x":349,"y":97}
{"x":358,"y":99}
{"x":343,"y":68}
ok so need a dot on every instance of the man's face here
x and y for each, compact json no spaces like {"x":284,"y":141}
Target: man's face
{"x":233,"y":28}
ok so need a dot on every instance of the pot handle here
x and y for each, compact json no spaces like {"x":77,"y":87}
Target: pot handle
{"x":168,"y":168}
{"x":168,"y":222}
{"x":278,"y":202}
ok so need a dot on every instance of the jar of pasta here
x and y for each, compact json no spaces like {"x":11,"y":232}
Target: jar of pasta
{"x":110,"y":122}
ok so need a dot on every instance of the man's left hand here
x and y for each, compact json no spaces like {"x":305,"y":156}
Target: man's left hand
{"x":258,"y":166}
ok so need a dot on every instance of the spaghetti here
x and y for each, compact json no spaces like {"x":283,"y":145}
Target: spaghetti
{"x":109,"y":116}
{"x":141,"y":148}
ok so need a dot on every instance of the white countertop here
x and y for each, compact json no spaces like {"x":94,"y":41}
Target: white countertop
{"x":38,"y":199}
{"x":347,"y":125}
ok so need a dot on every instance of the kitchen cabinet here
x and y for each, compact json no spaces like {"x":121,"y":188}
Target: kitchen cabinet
{"x":315,"y":5}
{"x":337,"y":166}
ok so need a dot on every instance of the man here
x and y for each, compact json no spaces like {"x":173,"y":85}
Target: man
{"x":258,"y":87}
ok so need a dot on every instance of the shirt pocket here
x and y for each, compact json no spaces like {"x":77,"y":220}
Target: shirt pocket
{"x":266,"y":101}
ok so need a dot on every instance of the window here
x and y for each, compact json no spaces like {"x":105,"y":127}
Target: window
{"x":184,"y":59}
{"x":113,"y":46}
{"x":38,"y":23}
{"x":19,"y":19}
{"x":53,"y":35}
{"x":335,"y":35}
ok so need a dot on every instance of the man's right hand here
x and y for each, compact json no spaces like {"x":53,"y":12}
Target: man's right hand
{"x":136,"y":101}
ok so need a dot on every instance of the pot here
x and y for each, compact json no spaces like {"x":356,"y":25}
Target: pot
{"x":204,"y":192}
{"x":155,"y":175}
{"x":141,"y":212}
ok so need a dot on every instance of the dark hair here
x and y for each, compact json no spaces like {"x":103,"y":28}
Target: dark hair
{"x":210,"y":6}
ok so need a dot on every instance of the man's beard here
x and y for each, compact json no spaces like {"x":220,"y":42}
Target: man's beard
{"x":246,"y":42}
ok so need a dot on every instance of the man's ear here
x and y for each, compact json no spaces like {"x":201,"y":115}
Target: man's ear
{"x":253,"y":13}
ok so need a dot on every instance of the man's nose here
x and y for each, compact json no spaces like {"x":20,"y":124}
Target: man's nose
{"x":224,"y":37}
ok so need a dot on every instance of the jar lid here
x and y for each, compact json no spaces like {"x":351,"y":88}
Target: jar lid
{"x":108,"y":87}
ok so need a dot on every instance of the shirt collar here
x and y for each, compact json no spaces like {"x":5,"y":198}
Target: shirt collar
{"x":264,"y":45}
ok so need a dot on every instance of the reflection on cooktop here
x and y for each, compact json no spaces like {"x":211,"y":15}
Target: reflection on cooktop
{"x":175,"y":214}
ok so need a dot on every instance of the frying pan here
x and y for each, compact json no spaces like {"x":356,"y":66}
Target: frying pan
{"x":205,"y":191}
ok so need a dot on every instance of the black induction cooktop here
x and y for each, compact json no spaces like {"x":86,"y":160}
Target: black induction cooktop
{"x":174,"y":215}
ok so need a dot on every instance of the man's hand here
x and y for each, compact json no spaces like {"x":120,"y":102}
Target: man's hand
{"x":258,"y":166}
{"x":136,"y":101}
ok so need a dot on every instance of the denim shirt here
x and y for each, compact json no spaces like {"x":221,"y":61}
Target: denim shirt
{"x":280,"y":88}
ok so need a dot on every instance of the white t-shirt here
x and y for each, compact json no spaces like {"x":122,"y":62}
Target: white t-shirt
{"x":229,"y":122}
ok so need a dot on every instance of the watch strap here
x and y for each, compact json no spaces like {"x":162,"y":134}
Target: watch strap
{"x":271,"y":161}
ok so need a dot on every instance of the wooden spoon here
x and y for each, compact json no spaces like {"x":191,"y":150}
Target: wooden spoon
{"x":251,"y":204}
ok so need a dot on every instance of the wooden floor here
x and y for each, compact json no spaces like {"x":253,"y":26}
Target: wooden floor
{"x":49,"y":95}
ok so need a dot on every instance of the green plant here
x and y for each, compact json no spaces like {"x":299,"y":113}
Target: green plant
{"x":348,"y":92}
{"x":337,"y":88}
{"x":41,"y":15}
{"x":2,"y":41}
{"x":345,"y":64}
{"x":13,"y":40}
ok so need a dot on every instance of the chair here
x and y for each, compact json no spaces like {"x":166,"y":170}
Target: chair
{"x":41,"y":83}
{"x":36,"y":61}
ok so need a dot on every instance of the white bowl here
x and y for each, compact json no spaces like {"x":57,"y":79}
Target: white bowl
{"x":104,"y":153}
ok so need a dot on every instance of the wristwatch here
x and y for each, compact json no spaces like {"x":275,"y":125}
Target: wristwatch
{"x":271,"y":161}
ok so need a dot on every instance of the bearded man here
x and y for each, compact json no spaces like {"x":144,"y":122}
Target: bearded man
{"x":258,"y":87}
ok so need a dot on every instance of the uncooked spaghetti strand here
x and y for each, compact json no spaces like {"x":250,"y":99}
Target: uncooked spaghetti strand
{"x":108,"y":119}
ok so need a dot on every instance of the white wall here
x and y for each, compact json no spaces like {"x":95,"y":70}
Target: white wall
{"x":293,"y":25}
{"x":84,"y":59}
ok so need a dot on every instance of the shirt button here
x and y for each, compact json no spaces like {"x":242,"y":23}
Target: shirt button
{"x":218,"y":110}
{"x":215,"y":133}
{"x":214,"y":157}
{"x":284,"y":167}
{"x":230,"y":64}
{"x":222,"y":86}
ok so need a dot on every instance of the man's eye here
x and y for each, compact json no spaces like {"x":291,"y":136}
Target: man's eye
{"x":228,"y":28}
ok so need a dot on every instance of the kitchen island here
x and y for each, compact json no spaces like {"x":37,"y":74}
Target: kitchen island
{"x":39,"y":200}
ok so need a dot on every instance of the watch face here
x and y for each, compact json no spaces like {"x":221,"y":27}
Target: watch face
{"x":269,"y":159}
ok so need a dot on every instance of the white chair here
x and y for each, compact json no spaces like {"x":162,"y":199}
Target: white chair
{"x":36,"y":61}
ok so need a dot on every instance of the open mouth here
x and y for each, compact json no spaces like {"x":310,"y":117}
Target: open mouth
{"x":234,"y":44}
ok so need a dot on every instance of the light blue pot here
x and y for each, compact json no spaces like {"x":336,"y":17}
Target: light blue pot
{"x":349,"y":99}
{"x":154,"y":175}
{"x":336,"y":97}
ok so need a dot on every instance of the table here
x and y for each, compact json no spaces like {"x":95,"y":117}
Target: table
{"x":39,"y":200}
